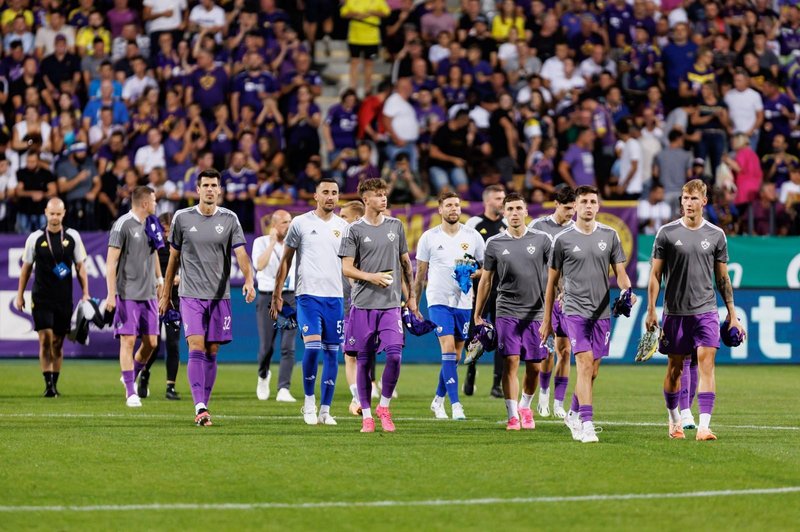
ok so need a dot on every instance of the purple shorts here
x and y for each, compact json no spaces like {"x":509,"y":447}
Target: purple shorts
{"x":683,"y":334}
{"x":519,"y":337}
{"x":586,"y":334}
{"x":209,"y":318}
{"x":557,"y":320}
{"x":372,"y":330}
{"x":136,"y":318}
{"x":346,"y":347}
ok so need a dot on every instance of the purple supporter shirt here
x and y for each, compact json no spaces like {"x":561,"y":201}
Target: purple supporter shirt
{"x":454,"y":95}
{"x":355,"y":172}
{"x":137,"y":132}
{"x":210,"y":88}
{"x":774,"y":120}
{"x":343,"y":125}
{"x":221,"y":145}
{"x":168,"y":118}
{"x":175,"y":171}
{"x":311,"y":77}
{"x":618,"y":21}
{"x":426,"y":117}
{"x":429,"y":84}
{"x":303,"y":133}
{"x":252,"y":86}
{"x":444,"y":66}
{"x":237,"y":182}
{"x":581,"y":165}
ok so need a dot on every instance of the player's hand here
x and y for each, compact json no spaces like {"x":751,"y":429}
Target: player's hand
{"x":249,"y":292}
{"x":85,"y":297}
{"x":380,"y":279}
{"x":734,"y":322}
{"x":20,"y":303}
{"x":111,"y":301}
{"x":164,"y":304}
{"x":411,"y":304}
{"x":651,"y":321}
{"x":545,"y":330}
{"x":276,"y":306}
{"x":633,"y":297}
{"x":478,"y":321}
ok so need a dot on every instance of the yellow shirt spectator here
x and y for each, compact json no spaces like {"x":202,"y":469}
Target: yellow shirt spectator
{"x":366,"y":31}
{"x":9,"y":15}
{"x":84,"y":41}
{"x":501,"y":27}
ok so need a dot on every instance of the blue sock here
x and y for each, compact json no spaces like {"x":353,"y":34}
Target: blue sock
{"x":450,"y":376}
{"x":441,"y":390}
{"x":310,"y":361}
{"x":330,"y":368}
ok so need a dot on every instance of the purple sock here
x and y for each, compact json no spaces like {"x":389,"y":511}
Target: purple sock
{"x":685,"y":379}
{"x":575,"y":404}
{"x":672,"y":399}
{"x":137,"y":368}
{"x":210,"y":369}
{"x":195,"y":371}
{"x":391,"y":372}
{"x":693,"y":383}
{"x":544,"y":380}
{"x":561,"y":388}
{"x":127,"y":378}
{"x":363,"y":381}
{"x":587,"y":413}
{"x":706,"y":402}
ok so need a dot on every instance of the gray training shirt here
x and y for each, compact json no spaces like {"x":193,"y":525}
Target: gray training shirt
{"x":206,"y":243}
{"x":136,"y":272}
{"x":548,"y":225}
{"x":376,"y":248}
{"x":520,"y":265}
{"x":583,"y":261}
{"x":689,"y":257}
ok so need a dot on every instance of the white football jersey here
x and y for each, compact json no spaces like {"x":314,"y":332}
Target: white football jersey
{"x":317,"y":262}
{"x":441,"y":251}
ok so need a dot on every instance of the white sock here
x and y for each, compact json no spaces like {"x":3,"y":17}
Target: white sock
{"x":526,"y":400}
{"x":511,"y":406}
{"x":354,"y":391}
{"x":705,"y":421}
{"x":588,"y":425}
{"x":558,"y":404}
{"x":544,"y":395}
{"x":674,"y":415}
{"x":324,"y":409}
{"x":310,"y":402}
{"x":458,"y":404}
{"x":366,"y":413}
{"x":687,"y":412}
{"x":438,"y":400}
{"x":385,"y":401}
{"x":198,"y":407}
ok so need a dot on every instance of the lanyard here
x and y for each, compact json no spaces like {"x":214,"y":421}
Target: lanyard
{"x":50,"y":244}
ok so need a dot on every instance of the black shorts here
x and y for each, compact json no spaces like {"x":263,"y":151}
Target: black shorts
{"x":52,"y":315}
{"x":319,"y":10}
{"x":362,"y":50}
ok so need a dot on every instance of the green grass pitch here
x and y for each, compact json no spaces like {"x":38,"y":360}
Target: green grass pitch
{"x":85,"y":453}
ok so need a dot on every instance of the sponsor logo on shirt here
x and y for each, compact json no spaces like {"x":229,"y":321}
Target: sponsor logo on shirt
{"x":506,"y":252}
{"x":313,"y":231}
{"x":440,"y":248}
{"x":576,"y":249}
{"x":678,"y":243}
{"x":136,"y":234}
{"x":367,"y":239}
{"x":193,"y":229}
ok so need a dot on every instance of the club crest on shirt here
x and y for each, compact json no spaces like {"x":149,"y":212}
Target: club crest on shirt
{"x":705,"y":243}
{"x":464,"y":246}
{"x":219,"y":229}
{"x":602,"y":245}
{"x":391,"y":236}
{"x":337,"y":233}
{"x":351,"y":341}
{"x":531,"y":249}
{"x":305,"y":329}
{"x":65,"y":243}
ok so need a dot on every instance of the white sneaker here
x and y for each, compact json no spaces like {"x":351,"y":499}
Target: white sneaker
{"x":458,"y":412}
{"x":543,"y":407}
{"x":573,"y":421}
{"x":284,"y":396}
{"x":310,"y":415}
{"x":687,"y":419}
{"x":133,"y":401}
{"x":438,"y":410}
{"x":588,"y":434}
{"x":559,"y":411}
{"x":326,"y":419}
{"x":262,"y":389}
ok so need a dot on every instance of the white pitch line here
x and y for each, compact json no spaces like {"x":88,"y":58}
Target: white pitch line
{"x":415,"y":419}
{"x":385,"y":504}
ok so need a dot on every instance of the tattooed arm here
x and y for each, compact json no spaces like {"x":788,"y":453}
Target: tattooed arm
{"x":408,"y":282}
{"x":725,"y":289}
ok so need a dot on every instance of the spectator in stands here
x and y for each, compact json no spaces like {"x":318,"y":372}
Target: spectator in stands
{"x":79,"y":185}
{"x":84,"y":40}
{"x":710,"y":118}
{"x":746,"y":108}
{"x":746,"y":170}
{"x":303,"y":123}
{"x":339,"y":128}
{"x":653,"y":212}
{"x":35,"y":186}
{"x":400,"y":123}
{"x":677,"y":59}
{"x":405,"y":185}
{"x":448,"y":156}
{"x":45,"y":40}
{"x":790,"y":190}
{"x":766,"y":216}
{"x":577,"y":165}
{"x":363,"y":36}
{"x":151,"y":154}
{"x":8,"y":185}
{"x":672,"y":168}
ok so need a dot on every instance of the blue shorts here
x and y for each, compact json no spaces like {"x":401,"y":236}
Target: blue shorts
{"x":322,"y":316}
{"x":450,"y":321}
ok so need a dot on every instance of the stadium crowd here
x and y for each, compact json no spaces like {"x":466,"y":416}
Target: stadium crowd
{"x":634,"y":97}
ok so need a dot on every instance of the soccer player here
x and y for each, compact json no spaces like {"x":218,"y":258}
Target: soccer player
{"x":375,"y":252}
{"x":50,"y":254}
{"x":488,"y":224}
{"x":687,"y":253}
{"x":133,"y":274}
{"x":582,"y":254}
{"x":267,"y":253}
{"x":315,"y":237}
{"x":518,"y":257}
{"x":552,"y":225}
{"x":351,"y":212}
{"x":448,"y":305}
{"x":202,"y":238}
